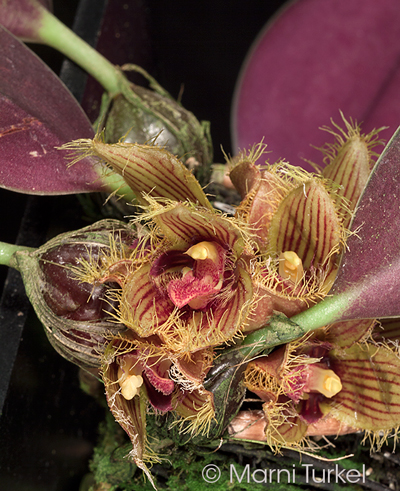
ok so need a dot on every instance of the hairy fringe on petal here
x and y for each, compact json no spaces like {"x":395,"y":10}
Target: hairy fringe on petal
{"x":256,"y":151}
{"x":278,"y":414}
{"x":376,"y":439}
{"x":257,"y":379}
{"x":199,"y":423}
{"x":157,"y":207}
{"x":353,"y":130}
{"x":110,"y":262}
{"x":308,"y":290}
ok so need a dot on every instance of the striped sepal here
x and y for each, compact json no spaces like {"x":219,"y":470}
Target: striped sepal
{"x":151,"y":170}
{"x":306,"y":222}
{"x":184,"y":225}
{"x":350,"y":171}
{"x":130,"y":414}
{"x":370,"y":397}
{"x":290,"y":432}
{"x":142,"y":307}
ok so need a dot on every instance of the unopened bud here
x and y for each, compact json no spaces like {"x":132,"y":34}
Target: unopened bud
{"x":75,"y":314}
{"x":144,"y":115}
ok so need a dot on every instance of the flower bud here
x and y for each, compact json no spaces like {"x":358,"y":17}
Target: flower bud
{"x":143,"y":115}
{"x":75,"y":314}
{"x":348,"y":163}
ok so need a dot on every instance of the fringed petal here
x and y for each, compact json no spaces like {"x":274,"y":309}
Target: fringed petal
{"x":147,"y":169}
{"x":184,"y":225}
{"x":284,"y":426}
{"x":131,"y":415}
{"x":370,"y":397}
{"x":345,"y":334}
{"x":192,"y":371}
{"x":196,"y":410}
{"x":230,"y":315}
{"x":220,"y":323}
{"x":260,"y":204}
{"x":142,"y":307}
{"x":349,"y":162}
{"x":306,"y":222}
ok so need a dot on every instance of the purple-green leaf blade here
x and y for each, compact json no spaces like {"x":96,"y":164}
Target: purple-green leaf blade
{"x":38,"y":114}
{"x":307,"y":64}
{"x":370,"y":269}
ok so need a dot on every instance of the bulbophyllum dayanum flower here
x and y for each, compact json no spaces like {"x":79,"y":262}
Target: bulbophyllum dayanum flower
{"x":140,"y":374}
{"x":324,"y":384}
{"x":196,"y":279}
{"x":187,"y":281}
{"x":184,"y":287}
{"x":300,"y":219}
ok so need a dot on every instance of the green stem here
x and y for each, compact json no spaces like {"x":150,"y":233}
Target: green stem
{"x":116,"y":184}
{"x":55,"y":34}
{"x":281,"y":330}
{"x":323,"y":313}
{"x":7,"y":250}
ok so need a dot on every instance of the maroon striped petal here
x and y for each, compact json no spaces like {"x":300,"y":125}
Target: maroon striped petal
{"x":229,"y":317}
{"x":184,"y":225}
{"x":196,"y":368}
{"x":349,"y":163}
{"x":130,"y":414}
{"x":306,"y":222}
{"x":196,"y":409}
{"x":370,"y":397}
{"x":219,"y":323}
{"x":290,"y":432}
{"x":150,"y":170}
{"x":143,"y":308}
{"x":262,"y":192}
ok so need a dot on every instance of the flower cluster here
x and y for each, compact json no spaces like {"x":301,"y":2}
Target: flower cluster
{"x":182,"y":284}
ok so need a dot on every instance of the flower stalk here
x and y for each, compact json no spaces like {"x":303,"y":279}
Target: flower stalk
{"x":32,"y":21}
{"x":8,"y":250}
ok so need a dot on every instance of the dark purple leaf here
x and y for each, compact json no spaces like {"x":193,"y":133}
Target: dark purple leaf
{"x":38,"y":114}
{"x":316,"y":58}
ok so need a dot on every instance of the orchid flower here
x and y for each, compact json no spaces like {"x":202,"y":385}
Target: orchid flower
{"x":336,"y":380}
{"x":325,"y":384}
{"x":182,"y":280}
{"x":301,"y":220}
